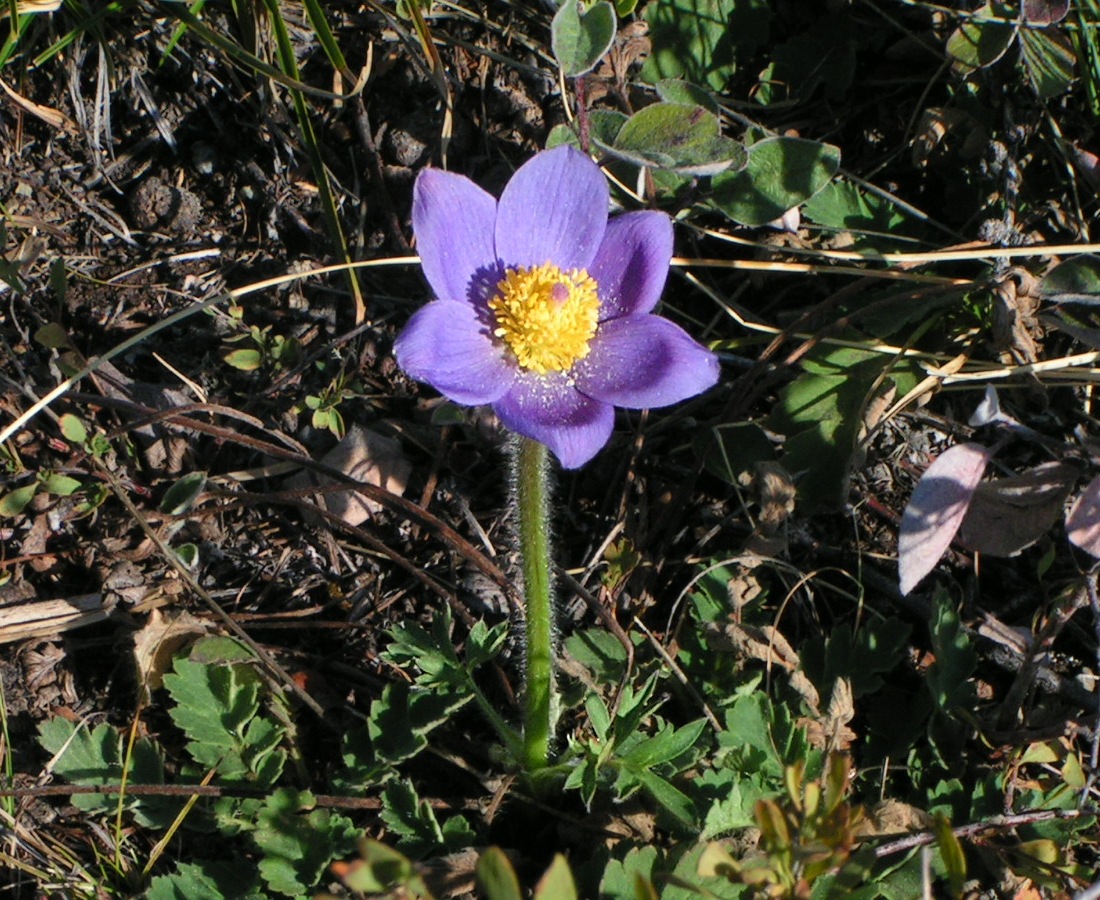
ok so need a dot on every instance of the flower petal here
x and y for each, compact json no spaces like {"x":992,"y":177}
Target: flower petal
{"x":553,"y":210}
{"x":644,"y":361}
{"x":632,"y":263}
{"x":549,"y":409}
{"x":453,"y":220}
{"x":446,"y":345}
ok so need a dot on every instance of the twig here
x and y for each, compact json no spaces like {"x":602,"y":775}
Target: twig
{"x":996,"y":823}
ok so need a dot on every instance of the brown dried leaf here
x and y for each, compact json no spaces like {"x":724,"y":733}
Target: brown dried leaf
{"x":1009,"y":514}
{"x":766,"y":644}
{"x":365,"y":456}
{"x":160,"y":639}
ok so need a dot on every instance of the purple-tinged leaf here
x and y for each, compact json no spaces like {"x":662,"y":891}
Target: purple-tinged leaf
{"x":1083,"y":521}
{"x":1045,"y":12}
{"x":936,"y":510}
{"x":1009,"y":514}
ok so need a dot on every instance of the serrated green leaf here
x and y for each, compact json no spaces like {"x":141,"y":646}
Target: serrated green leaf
{"x":206,"y":880}
{"x":416,"y":825}
{"x":580,"y":40}
{"x":869,"y":218}
{"x":863,"y":657}
{"x":72,"y":429}
{"x":298,"y":843}
{"x":217,"y":707}
{"x":620,"y":876}
{"x":14,"y":502}
{"x":557,"y":882}
{"x":781,"y":173}
{"x":1049,"y":59}
{"x":95,"y":757}
{"x":484,"y":643}
{"x":683,"y":139}
{"x":84,"y":756}
{"x":402,"y":717}
{"x":496,"y":876}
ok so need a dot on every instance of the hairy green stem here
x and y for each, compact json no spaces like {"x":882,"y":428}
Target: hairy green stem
{"x":531,"y":498}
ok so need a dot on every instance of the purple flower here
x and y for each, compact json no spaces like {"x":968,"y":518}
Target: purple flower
{"x":545,"y":305}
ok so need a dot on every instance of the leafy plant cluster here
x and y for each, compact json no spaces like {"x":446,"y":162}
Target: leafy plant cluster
{"x":758,"y":797}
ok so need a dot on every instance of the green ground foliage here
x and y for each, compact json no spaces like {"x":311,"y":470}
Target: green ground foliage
{"x":264,"y":633}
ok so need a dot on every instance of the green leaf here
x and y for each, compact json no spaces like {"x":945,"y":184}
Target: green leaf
{"x":676,"y":90}
{"x":14,"y":502}
{"x":245,"y":359}
{"x":580,"y":40}
{"x":603,"y":128}
{"x":598,"y":716}
{"x":1077,"y":279}
{"x":951,"y":854}
{"x":206,"y":880}
{"x":668,"y":797}
{"x":496,"y":876}
{"x":683,"y":139}
{"x":403,"y":716}
{"x":703,"y":40}
{"x":731,"y":451}
{"x":620,"y":877}
{"x":217,"y":707}
{"x":297,"y":848}
{"x":72,"y":429}
{"x":867,"y":217}
{"x":1049,"y":59}
{"x":60,"y":485}
{"x":956,"y":659}
{"x":781,"y":173}
{"x":53,"y":336}
{"x":414,"y":822}
{"x":182,"y":495}
{"x":863,"y":657}
{"x":600,"y":652}
{"x":95,"y":757}
{"x":667,"y":745}
{"x":484,"y":643}
{"x":978,"y":42}
{"x":385,"y":871}
{"x":557,"y":883}
{"x":821,"y":413}
{"x":825,"y":57}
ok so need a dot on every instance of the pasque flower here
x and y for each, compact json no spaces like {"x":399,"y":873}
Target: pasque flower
{"x":545,"y":304}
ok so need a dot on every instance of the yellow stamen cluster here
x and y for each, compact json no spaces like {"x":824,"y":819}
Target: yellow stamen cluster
{"x":546,"y":316}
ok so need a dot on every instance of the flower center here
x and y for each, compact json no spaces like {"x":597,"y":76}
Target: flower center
{"x":547,"y":317}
